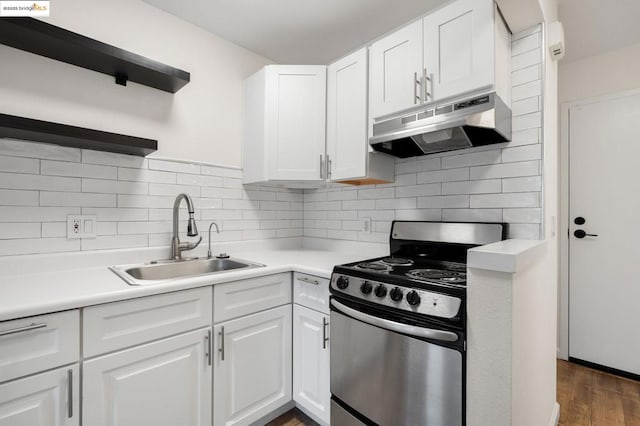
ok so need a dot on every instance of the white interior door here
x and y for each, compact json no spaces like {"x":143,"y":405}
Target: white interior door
{"x":604,"y":288}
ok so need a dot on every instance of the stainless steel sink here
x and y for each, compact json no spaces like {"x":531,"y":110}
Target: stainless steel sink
{"x":164,"y":270}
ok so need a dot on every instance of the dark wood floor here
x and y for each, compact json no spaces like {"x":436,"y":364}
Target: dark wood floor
{"x":294,"y":417}
{"x":592,"y":398}
{"x":587,"y":397}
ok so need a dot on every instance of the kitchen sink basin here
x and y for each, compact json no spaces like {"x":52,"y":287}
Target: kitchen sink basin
{"x":164,"y":270}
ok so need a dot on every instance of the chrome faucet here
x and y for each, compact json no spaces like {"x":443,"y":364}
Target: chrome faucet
{"x":176,"y":246}
{"x":209,"y":254}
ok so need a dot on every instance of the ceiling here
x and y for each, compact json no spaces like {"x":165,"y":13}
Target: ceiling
{"x":298,"y":31}
{"x":595,"y":26}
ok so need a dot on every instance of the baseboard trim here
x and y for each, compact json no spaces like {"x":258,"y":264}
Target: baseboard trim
{"x":606,"y":369}
{"x":555,"y":415}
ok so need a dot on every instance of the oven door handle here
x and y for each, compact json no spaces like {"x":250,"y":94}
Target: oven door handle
{"x":410,"y":330}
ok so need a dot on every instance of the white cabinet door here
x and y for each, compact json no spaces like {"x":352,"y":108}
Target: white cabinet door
{"x":295,"y":121}
{"x":253,"y":366}
{"x":164,"y":383}
{"x":459,"y":48}
{"x":46,"y":399}
{"x":396,"y":62}
{"x":311,"y":361}
{"x":347,"y":143}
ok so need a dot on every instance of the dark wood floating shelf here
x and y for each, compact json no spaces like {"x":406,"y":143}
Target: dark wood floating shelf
{"x":32,"y":130}
{"x":62,"y":45}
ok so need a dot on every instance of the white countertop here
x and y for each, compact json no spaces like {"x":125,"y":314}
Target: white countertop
{"x":61,"y":284}
{"x":26,"y":294}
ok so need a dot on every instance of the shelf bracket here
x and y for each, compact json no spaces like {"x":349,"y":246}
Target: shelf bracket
{"x":121,"y":79}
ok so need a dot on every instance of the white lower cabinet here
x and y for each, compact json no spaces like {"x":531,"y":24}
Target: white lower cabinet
{"x":45,"y":399}
{"x":164,"y":383}
{"x":252,"y":372}
{"x":311,"y":362}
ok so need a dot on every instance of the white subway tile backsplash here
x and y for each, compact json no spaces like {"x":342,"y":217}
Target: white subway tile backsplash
{"x":54,"y":229}
{"x":443,"y":201}
{"x":38,"y":150}
{"x":119,"y":214}
{"x":515,"y":199}
{"x":528,"y":121}
{"x":36,"y":214}
{"x":525,"y":137}
{"x":526,"y":59}
{"x":342,"y":215}
{"x":19,"y":230}
{"x":145,"y":201}
{"x":419,"y":214}
{"x":396,"y":203}
{"x":342,"y":195}
{"x":472,"y":215}
{"x":63,"y":168}
{"x":174,"y":166}
{"x":525,"y":231}
{"x":526,"y":106}
{"x":289,"y":233}
{"x":341,"y":234}
{"x":38,"y":182}
{"x":221,"y":171}
{"x":526,"y":75}
{"x":77,"y":199}
{"x":472,"y":187}
{"x":526,"y":90}
{"x":114,"y":186}
{"x":19,"y":165}
{"x":174,"y":190}
{"x":471,"y":159}
{"x":522,"y":184}
{"x":113,"y":159}
{"x":505,"y":170}
{"x":373,"y":194}
{"x":530,"y":215}
{"x":418,"y":164}
{"x":419,"y":190}
{"x":10,"y":197}
{"x":526,"y":44}
{"x":142,"y":175}
{"x":444,"y":175}
{"x":522,"y":153}
{"x":105,"y":242}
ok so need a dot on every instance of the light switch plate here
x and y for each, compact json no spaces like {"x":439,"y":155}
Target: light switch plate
{"x":81,"y":226}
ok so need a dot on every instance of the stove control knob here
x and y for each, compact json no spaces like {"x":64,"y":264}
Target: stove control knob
{"x":381,"y":290}
{"x":396,"y":294}
{"x":413,"y":298}
{"x":342,"y":282}
{"x":366,"y":287}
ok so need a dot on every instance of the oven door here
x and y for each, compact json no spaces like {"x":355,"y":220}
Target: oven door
{"x":388,"y":373}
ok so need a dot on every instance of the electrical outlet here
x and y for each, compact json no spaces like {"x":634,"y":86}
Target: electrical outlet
{"x":81,"y":226}
{"x":366,"y":225}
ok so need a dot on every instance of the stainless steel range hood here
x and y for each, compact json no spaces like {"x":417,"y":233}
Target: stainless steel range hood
{"x":481,"y":120}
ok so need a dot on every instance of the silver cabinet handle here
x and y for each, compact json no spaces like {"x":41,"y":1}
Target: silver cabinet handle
{"x":410,"y":330}
{"x":328,"y":167}
{"x":427,"y":79}
{"x":221,"y":348}
{"x":29,"y":327}
{"x":321,"y":167}
{"x":416,"y":81}
{"x":208,"y":347}
{"x":69,"y":393}
{"x":325,"y":339}
{"x":308,"y":280}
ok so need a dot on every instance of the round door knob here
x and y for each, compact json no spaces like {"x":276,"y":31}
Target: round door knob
{"x":579,"y":220}
{"x":342,"y":283}
{"x":381,"y":291}
{"x":366,"y":287}
{"x":396,"y":294}
{"x":413,"y":298}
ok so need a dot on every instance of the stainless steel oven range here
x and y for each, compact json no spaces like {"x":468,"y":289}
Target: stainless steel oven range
{"x":398,"y":328}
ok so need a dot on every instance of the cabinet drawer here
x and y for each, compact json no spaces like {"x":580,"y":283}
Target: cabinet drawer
{"x":38,"y":343}
{"x":311,"y":291}
{"x":238,"y":298}
{"x":122,"y":324}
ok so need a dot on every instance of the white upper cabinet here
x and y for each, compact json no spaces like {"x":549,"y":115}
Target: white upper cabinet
{"x":458,"y":48}
{"x":396,"y":67}
{"x":348,"y":153}
{"x":284,"y":124}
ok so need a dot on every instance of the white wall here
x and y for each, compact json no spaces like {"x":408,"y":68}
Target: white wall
{"x":611,"y":72}
{"x":199,"y":123}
